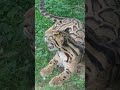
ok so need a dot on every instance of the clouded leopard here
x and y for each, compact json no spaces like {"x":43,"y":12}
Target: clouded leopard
{"x":66,"y":36}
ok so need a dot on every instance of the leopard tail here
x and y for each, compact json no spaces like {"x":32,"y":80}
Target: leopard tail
{"x":46,"y":14}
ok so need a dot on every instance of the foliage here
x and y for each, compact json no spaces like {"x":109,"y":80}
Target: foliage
{"x":16,"y":62}
{"x":66,"y":8}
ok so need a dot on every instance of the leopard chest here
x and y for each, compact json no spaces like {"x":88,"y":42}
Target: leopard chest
{"x":63,"y":58}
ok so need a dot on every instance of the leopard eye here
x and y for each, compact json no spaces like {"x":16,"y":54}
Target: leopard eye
{"x":56,"y":34}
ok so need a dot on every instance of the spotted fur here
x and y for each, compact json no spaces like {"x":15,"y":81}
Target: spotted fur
{"x":66,"y":37}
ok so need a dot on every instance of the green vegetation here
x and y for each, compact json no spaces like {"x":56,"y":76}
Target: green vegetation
{"x":66,"y":8}
{"x":16,"y":60}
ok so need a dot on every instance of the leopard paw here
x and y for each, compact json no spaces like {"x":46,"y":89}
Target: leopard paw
{"x":45,"y":72}
{"x":56,"y":81}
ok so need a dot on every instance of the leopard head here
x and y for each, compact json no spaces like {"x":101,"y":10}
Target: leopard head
{"x":54,"y":40}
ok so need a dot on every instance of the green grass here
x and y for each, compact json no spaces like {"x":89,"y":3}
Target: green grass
{"x":66,"y":8}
